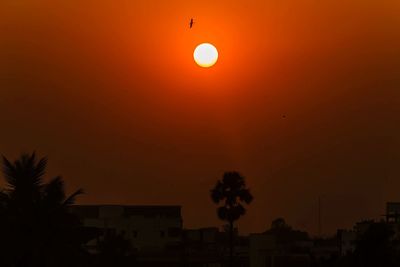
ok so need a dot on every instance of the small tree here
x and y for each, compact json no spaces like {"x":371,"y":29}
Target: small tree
{"x":377,"y":246}
{"x":232,"y":192}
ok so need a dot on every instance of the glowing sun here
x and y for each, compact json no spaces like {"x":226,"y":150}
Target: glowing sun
{"x":205,"y":55}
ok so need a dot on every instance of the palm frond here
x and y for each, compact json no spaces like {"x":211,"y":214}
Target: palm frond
{"x":245,"y":196}
{"x":217,"y":193}
{"x":71,"y":199}
{"x":9,"y":172}
{"x":222,"y":213}
{"x":24,"y":172}
{"x":54,"y":191}
{"x":232,"y":190}
{"x":39,"y":169}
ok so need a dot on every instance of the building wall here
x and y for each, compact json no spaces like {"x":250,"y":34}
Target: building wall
{"x":393,"y":212}
{"x":147,"y":227}
{"x":262,"y":248}
{"x":347,"y":240}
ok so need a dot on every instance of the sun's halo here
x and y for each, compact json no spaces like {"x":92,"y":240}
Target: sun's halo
{"x":205,"y":55}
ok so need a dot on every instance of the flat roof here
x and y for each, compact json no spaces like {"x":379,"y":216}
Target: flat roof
{"x":92,"y":211}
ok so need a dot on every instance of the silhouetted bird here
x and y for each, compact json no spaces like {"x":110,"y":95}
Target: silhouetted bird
{"x":191,"y":23}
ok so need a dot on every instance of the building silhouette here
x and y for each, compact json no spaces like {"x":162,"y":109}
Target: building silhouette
{"x":148,"y":228}
{"x":392,"y":212}
{"x":158,"y":238}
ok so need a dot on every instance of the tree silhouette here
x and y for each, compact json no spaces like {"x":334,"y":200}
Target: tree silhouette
{"x":232,"y":192}
{"x":279,"y":224}
{"x":37,"y":229}
{"x":377,"y":246}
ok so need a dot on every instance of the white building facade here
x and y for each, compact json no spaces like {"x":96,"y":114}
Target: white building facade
{"x":149,"y":228}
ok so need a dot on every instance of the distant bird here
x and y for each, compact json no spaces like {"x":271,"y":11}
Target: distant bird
{"x":191,"y":23}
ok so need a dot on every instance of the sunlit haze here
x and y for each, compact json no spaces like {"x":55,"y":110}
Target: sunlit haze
{"x":304,"y":101}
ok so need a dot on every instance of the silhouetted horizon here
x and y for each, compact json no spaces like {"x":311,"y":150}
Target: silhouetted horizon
{"x":303,"y":101}
{"x":42,"y":226}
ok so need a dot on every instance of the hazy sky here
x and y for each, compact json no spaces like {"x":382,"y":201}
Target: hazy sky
{"x":304,"y":101}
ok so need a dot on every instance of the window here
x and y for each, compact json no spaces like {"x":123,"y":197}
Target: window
{"x":174,"y":232}
{"x":110,"y":231}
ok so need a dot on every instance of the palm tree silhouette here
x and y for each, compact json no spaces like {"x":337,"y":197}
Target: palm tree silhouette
{"x":232,"y":191}
{"x":38,"y":226}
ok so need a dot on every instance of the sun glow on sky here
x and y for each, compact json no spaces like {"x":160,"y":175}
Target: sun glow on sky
{"x":299,"y":101}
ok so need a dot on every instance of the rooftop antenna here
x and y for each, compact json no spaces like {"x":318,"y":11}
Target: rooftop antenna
{"x":319,"y":217}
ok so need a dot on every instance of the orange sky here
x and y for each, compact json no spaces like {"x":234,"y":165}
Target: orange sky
{"x":110,"y":92}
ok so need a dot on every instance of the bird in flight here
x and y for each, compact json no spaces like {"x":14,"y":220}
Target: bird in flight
{"x":191,"y":23}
